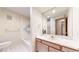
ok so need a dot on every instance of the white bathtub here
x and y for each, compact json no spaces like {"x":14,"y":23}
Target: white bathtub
{"x":27,"y":41}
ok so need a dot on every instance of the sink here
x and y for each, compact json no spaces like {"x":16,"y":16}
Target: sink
{"x":5,"y":44}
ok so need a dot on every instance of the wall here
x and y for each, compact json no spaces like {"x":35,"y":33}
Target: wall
{"x":73,"y":23}
{"x":76,"y":23}
{"x":11,"y":29}
{"x":70,"y":23}
{"x":36,"y":24}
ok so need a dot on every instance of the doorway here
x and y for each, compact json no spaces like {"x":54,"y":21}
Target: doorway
{"x":61,"y":26}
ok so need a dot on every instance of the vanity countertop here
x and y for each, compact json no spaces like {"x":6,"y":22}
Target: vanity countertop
{"x":64,"y":41}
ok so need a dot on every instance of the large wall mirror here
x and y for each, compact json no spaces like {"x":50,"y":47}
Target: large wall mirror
{"x":55,"y":21}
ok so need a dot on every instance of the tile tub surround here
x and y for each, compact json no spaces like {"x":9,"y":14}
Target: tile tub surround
{"x":63,"y":41}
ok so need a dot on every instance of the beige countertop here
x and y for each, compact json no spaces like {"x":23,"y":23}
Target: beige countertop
{"x":61,"y":40}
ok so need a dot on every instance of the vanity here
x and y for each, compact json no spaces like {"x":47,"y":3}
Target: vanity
{"x":57,"y":35}
{"x":45,"y":44}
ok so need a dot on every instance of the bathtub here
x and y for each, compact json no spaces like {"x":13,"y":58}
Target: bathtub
{"x":27,"y":42}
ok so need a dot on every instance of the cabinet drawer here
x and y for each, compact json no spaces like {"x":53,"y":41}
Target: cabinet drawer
{"x":53,"y":50}
{"x":41,"y":47}
{"x":51,"y":44}
{"x":65,"y":49}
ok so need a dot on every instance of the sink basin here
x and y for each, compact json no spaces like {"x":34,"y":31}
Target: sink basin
{"x":5,"y":44}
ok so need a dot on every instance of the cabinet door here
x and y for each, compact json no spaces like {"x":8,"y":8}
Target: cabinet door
{"x":67,"y":49}
{"x":41,"y":47}
{"x":51,"y":44}
{"x":53,"y":50}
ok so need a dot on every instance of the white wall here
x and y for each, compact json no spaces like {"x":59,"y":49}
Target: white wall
{"x":70,"y":22}
{"x":73,"y":23}
{"x":11,"y":29}
{"x":36,"y":24}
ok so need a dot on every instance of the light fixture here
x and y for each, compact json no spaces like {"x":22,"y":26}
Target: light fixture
{"x":53,"y":11}
{"x":48,"y":16}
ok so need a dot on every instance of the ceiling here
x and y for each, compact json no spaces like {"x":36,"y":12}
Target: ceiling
{"x":25,"y":11}
{"x":43,"y":9}
{"x":59,"y":11}
{"x":47,"y":11}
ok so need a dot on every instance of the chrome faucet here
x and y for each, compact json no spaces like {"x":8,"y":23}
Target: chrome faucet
{"x":52,"y":36}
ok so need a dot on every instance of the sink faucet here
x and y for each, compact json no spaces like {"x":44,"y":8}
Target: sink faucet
{"x":52,"y":36}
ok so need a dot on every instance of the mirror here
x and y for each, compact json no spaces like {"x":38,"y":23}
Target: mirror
{"x":54,"y":21}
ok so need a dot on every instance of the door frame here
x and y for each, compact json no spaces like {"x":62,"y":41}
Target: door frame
{"x":66,"y":25}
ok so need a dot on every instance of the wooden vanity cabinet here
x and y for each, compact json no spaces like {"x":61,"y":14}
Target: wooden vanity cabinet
{"x":53,"y":45}
{"x":46,"y":46}
{"x":53,"y":50}
{"x":41,"y":47}
{"x":66,"y":49}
